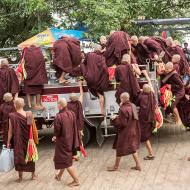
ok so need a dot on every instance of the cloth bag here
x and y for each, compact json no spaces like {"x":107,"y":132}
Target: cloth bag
{"x":6,"y":160}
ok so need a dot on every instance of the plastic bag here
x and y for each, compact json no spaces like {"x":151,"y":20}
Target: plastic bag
{"x":6,"y":160}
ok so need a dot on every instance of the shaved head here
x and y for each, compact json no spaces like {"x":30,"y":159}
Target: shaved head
{"x":126,"y":58}
{"x":146,"y":88}
{"x":62,"y":103}
{"x":19,"y":103}
{"x":125,"y":97}
{"x":7,"y":97}
{"x":134,"y":40}
{"x":4,"y":62}
{"x":112,"y":31}
{"x":176,"y":58}
{"x":103,"y":39}
{"x":169,"y":41}
{"x":97,"y":47}
{"x":169,"y":67}
{"x":73,"y":97}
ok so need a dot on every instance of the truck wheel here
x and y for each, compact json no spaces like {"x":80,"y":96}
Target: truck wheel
{"x":87,"y":135}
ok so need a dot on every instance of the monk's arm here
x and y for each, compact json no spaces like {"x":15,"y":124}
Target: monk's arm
{"x":10,"y":134}
{"x":136,"y":69}
{"x":81,"y":92}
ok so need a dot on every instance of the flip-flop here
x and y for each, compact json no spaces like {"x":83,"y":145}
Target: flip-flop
{"x":136,"y":168}
{"x":112,"y":169}
{"x":149,"y":158}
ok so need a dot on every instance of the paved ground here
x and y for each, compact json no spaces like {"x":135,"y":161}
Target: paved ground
{"x":169,"y":170}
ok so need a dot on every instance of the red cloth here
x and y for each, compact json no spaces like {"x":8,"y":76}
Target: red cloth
{"x":21,"y":136}
{"x":67,"y":138}
{"x":95,"y":72}
{"x":67,"y":55}
{"x":8,"y":82}
{"x":118,"y":45}
{"x":127,"y":140}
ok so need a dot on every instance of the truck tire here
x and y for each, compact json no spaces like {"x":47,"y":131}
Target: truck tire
{"x":87,"y":135}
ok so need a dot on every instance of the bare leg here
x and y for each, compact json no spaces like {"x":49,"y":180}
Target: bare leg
{"x":72,"y":173}
{"x":62,"y":78}
{"x":116,"y":165}
{"x":150,"y":151}
{"x":177,"y":117}
{"x":38,"y":105}
{"x":19,"y":180}
{"x":102,"y":103}
{"x":137,"y":167}
{"x":59,"y":175}
{"x":81,"y":91}
{"x":29,"y":98}
{"x":34,"y":176}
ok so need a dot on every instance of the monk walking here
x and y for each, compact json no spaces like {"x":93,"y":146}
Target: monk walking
{"x":19,"y":129}
{"x":127,"y":140}
{"x":5,"y":109}
{"x":147,"y":103}
{"x":173,"y":79}
{"x":95,"y":72}
{"x":125,"y":76}
{"x":66,"y":139}
{"x":36,"y":75}
{"x":8,"y":80}
{"x":66,"y":56}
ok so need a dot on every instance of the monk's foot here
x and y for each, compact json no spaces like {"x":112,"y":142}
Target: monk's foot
{"x":63,"y":81}
{"x":149,"y":158}
{"x":58,"y":177}
{"x":188,"y":159}
{"x":19,"y":180}
{"x":40,"y":108}
{"x":34,"y":177}
{"x":136,"y":168}
{"x":112,"y":169}
{"x":74,"y":183}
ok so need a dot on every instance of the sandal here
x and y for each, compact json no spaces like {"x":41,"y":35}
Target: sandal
{"x":149,"y":158}
{"x":112,"y":169}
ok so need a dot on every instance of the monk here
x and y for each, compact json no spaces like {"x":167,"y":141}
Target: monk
{"x":5,"y":109}
{"x":175,"y":82}
{"x":176,"y":62}
{"x":66,"y":56}
{"x":8,"y":80}
{"x":172,"y":50}
{"x":103,"y":42}
{"x":125,"y":76}
{"x":36,"y":75}
{"x":66,"y":139}
{"x":117,"y":45}
{"x":147,"y":103}
{"x":142,"y":54}
{"x":19,"y":129}
{"x":95,"y":72}
{"x":127,"y":140}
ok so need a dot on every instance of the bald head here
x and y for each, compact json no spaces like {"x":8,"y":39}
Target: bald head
{"x":112,"y":32}
{"x":176,"y":58}
{"x":146,"y":88}
{"x":73,"y":97}
{"x":103,"y":40}
{"x":4,"y":62}
{"x":125,"y":97}
{"x":142,"y":39}
{"x":97,"y":47}
{"x":19,"y":103}
{"x":134,"y":40}
{"x":169,"y":67}
{"x":126,"y":58}
{"x":62,"y":103}
{"x":169,"y":42}
{"x":7,"y":97}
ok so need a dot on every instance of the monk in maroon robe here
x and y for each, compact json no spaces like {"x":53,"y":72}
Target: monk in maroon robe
{"x":127,"y":140}
{"x":66,"y":139}
{"x":124,"y":74}
{"x":172,"y":50}
{"x":36,"y":74}
{"x":95,"y":72}
{"x":8,"y":80}
{"x":175,"y":82}
{"x":19,"y":129}
{"x":66,"y":56}
{"x":176,"y":62}
{"x":147,"y":103}
{"x":117,"y":45}
{"x":5,"y":109}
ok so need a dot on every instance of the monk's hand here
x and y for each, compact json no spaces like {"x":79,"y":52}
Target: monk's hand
{"x":54,"y":139}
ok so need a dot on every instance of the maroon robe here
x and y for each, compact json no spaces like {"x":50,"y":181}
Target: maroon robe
{"x":127,"y":140}
{"x":67,"y":138}
{"x":147,"y":103}
{"x":124,"y":74}
{"x":184,"y":109}
{"x":5,"y":109}
{"x":76,"y":107}
{"x":118,"y":45}
{"x":184,"y":66}
{"x":67,"y":55}
{"x":21,"y":131}
{"x":35,"y":69}
{"x":177,"y":86}
{"x":95,"y":72}
{"x":8,"y":82}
